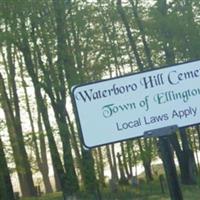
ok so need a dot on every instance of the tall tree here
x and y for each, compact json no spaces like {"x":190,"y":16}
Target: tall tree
{"x":6,"y":190}
{"x":165,"y":32}
{"x":41,"y":159}
{"x":186,"y":157}
{"x":17,"y":142}
{"x":147,"y":51}
{"x":24,"y":47}
{"x":130,"y":35}
{"x":146,"y":156}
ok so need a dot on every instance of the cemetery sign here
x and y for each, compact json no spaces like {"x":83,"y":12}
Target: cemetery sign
{"x":125,"y":107}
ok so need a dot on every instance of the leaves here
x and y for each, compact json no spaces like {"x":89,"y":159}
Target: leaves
{"x":81,"y":41}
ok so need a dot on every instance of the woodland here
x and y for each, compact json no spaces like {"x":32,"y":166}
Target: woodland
{"x":48,"y":46}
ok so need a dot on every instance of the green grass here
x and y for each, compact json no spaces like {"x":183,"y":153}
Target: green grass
{"x":191,"y":192}
{"x":145,"y":191}
{"x":54,"y":196}
{"x":150,"y":191}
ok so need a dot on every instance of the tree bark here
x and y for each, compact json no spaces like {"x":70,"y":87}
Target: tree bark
{"x":122,"y":179}
{"x":130,"y":156}
{"x":114,"y":161}
{"x":146,"y":159}
{"x":6,"y":190}
{"x":114,"y":176}
{"x":166,"y":34}
{"x":139,"y":23}
{"x":43,"y":153}
{"x":25,"y":49}
{"x":40,"y":159}
{"x":17,"y":143}
{"x":129,"y":35}
{"x":191,"y":168}
{"x":101,"y":168}
{"x":124,"y":160}
{"x":183,"y":159}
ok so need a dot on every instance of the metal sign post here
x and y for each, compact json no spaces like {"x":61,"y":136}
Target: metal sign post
{"x":166,"y":154}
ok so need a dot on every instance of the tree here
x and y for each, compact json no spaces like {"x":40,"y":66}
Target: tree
{"x":132,"y":41}
{"x":41,"y":158}
{"x":140,"y":25}
{"x":6,"y":190}
{"x":146,"y":156}
{"x":20,"y":156}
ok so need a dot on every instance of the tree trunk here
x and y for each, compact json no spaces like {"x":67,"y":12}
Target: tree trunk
{"x":24,"y":47}
{"x":58,"y":187}
{"x":130,"y":158}
{"x":17,"y":143}
{"x":107,"y":34}
{"x":114,"y":161}
{"x":148,"y":171}
{"x":90,"y":182}
{"x":166,"y":34}
{"x":42,"y":164}
{"x":139,"y":23}
{"x":129,"y":35}
{"x":109,"y":160}
{"x":188,"y":155}
{"x":194,"y":146}
{"x":183,"y":159}
{"x":121,"y":170}
{"x":6,"y":190}
{"x":146,"y":159}
{"x":44,"y":161}
{"x":101,"y":168}
{"x":185,"y":156}
{"x":124,"y":160}
{"x":113,"y":182}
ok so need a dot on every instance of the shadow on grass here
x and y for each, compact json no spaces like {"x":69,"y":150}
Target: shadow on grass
{"x":150,"y":191}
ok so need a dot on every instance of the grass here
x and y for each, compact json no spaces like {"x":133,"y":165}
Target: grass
{"x":54,"y":196}
{"x":151,"y":191}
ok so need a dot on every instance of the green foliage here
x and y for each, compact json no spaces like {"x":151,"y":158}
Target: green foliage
{"x":94,"y":46}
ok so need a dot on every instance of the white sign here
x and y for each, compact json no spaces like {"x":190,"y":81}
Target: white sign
{"x":125,"y":107}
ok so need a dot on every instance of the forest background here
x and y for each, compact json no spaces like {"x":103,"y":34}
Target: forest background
{"x":46,"y":47}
